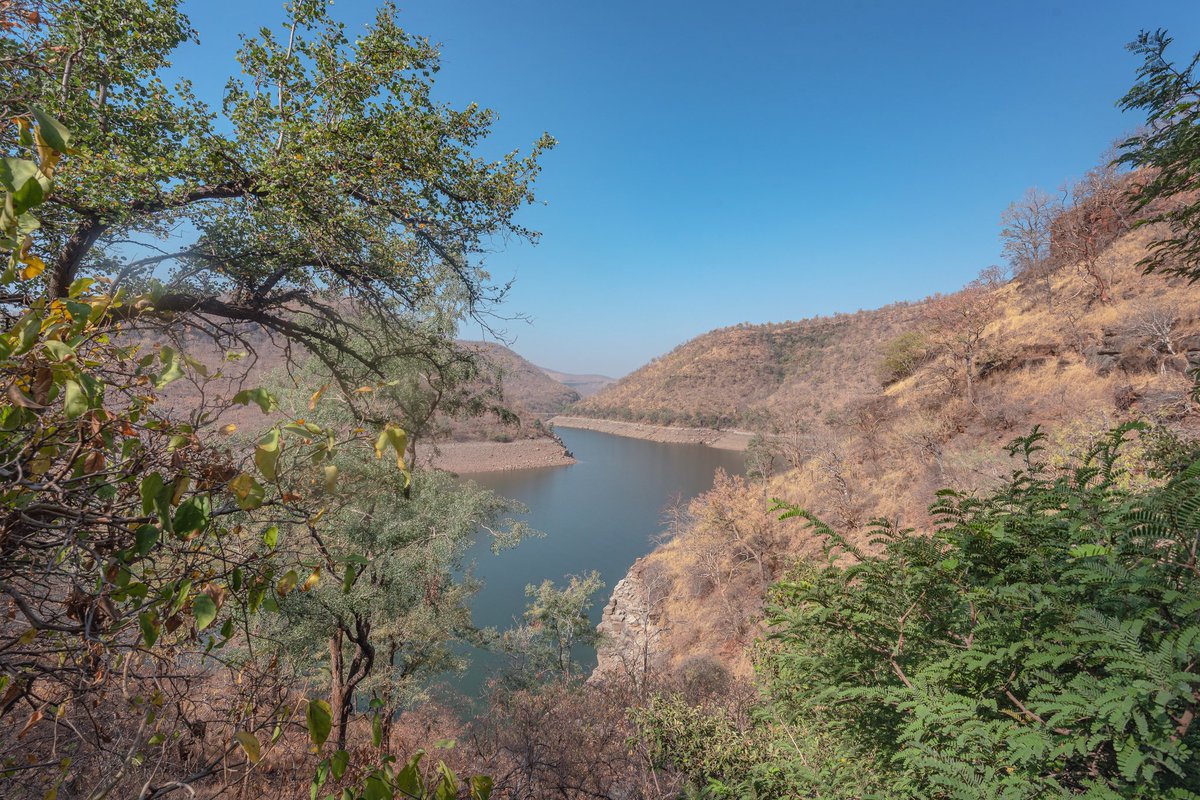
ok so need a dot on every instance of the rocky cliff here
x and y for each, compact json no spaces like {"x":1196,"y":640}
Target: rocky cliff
{"x":631,"y":627}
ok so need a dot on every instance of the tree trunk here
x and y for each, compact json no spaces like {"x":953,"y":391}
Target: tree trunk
{"x":336,"y":684}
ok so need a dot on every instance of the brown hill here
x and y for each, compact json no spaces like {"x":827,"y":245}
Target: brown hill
{"x":525,"y":385}
{"x":586,"y":385}
{"x":868,"y":414}
{"x":743,"y":375}
{"x":528,"y":393}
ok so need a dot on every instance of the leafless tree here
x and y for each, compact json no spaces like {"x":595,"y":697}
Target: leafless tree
{"x":957,"y":325}
{"x":1156,"y":323}
{"x":1026,"y":237}
{"x":1096,"y":212}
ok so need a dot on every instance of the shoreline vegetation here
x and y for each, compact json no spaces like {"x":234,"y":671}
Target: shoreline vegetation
{"x":728,"y":439}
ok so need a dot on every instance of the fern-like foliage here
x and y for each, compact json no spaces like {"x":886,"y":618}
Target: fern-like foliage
{"x":1043,"y":641}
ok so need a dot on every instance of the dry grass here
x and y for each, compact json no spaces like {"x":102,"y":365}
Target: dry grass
{"x":853,"y":449}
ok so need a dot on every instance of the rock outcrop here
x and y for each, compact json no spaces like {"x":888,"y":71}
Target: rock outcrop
{"x":631,"y":628}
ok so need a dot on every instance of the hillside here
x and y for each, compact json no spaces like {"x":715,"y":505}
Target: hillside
{"x":867,"y":415}
{"x":525,"y":385}
{"x":743,"y":375}
{"x":528,"y":394}
{"x":586,"y":385}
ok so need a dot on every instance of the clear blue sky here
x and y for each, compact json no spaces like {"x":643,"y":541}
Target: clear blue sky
{"x":758,"y":161}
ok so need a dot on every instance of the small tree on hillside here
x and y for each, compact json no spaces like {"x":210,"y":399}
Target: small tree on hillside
{"x":957,"y":325}
{"x":1025,"y":236}
{"x":1097,"y":212}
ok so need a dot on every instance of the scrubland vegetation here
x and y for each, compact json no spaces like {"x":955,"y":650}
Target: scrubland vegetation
{"x":200,"y":604}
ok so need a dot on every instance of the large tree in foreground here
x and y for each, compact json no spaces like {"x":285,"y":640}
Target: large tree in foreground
{"x":330,"y":178}
{"x":332,"y":204}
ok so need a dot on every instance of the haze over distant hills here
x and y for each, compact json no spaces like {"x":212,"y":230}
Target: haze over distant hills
{"x":586,"y":385}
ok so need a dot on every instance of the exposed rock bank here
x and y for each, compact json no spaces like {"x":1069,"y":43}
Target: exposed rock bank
{"x":466,"y":458}
{"x":724,"y":440}
{"x":631,"y":628}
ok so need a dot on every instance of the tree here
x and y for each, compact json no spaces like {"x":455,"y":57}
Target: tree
{"x":340,"y":215}
{"x":902,"y":356}
{"x":556,"y":621}
{"x":330,"y":187}
{"x":1026,"y":235}
{"x":1096,"y":211}
{"x":957,"y":325}
{"x":1169,"y":151}
{"x":389,"y":624}
{"x":134,"y":549}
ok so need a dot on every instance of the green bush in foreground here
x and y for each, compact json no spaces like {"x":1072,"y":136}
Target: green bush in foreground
{"x":1043,"y":641}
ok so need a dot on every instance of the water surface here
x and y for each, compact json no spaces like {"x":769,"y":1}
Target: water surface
{"x":600,"y":513}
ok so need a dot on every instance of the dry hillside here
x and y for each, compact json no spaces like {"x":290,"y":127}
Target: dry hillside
{"x":871,"y":413}
{"x":524,"y":389}
{"x":586,"y":385}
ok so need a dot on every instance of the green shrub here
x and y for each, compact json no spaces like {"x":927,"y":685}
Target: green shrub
{"x":1043,"y":642}
{"x":902,"y":356}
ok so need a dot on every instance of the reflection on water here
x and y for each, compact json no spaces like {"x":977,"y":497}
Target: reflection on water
{"x":599,"y":513}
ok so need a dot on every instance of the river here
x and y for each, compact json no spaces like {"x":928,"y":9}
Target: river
{"x":600,"y":513}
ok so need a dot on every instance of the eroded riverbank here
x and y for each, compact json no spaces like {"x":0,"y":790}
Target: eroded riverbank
{"x":722,"y":440}
{"x":472,"y":458}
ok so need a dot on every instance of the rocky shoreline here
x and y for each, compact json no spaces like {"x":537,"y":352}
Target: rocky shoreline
{"x":631,"y":627}
{"x":466,"y":458}
{"x":723,"y":440}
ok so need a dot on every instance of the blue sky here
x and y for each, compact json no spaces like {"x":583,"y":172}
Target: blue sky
{"x":757,"y":161}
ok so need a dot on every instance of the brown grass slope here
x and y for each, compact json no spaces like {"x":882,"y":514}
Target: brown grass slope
{"x":743,"y":375}
{"x":853,"y":441}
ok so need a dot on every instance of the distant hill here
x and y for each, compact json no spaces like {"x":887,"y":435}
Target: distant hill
{"x":586,"y":385}
{"x":526,"y":386}
{"x":526,"y":390}
{"x":744,"y":375}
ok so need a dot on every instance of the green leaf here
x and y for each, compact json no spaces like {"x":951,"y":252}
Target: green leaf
{"x":148,"y":621}
{"x":172,"y":367}
{"x":16,"y":172}
{"x":264,"y":399}
{"x":375,"y":788}
{"x":53,"y":132}
{"x":448,"y":786}
{"x":320,"y":721}
{"x":193,"y":514}
{"x":204,"y":610}
{"x":266,"y":454}
{"x":75,"y":402}
{"x":250,"y":745}
{"x":481,"y":787}
{"x":29,"y":195}
{"x":248,"y":492}
{"x":271,"y":537}
{"x":146,"y":538}
{"x":338,"y":763}
{"x":151,"y":488}
{"x":376,"y":730}
{"x":408,"y":780}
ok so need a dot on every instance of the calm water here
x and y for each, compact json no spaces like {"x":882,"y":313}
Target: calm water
{"x":599,"y":513}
